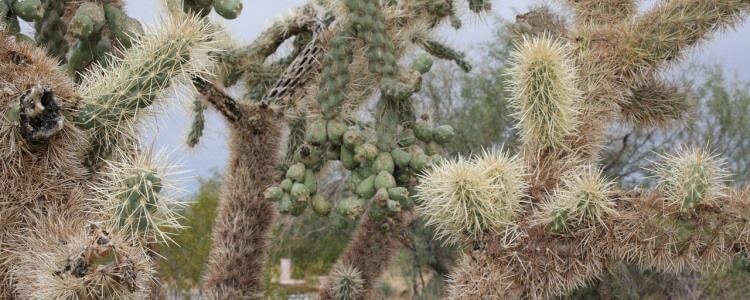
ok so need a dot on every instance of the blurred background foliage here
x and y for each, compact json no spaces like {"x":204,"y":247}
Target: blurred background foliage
{"x":475,"y":104}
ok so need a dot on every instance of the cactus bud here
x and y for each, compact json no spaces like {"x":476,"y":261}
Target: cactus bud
{"x":423,"y":132}
{"x":351,"y":207}
{"x":394,"y":206}
{"x":400,"y":157}
{"x":366,"y":188}
{"x":273,"y":193}
{"x":28,"y":10}
{"x":320,"y":205}
{"x":286,"y":185}
{"x":419,"y":161}
{"x":384,"y":180}
{"x":228,"y":9}
{"x":310,"y":182}
{"x":89,"y":18}
{"x":422,"y":63}
{"x":383,"y":162}
{"x":398,"y":193}
{"x":443,"y":134}
{"x":365,"y":152}
{"x":353,"y":137}
{"x":381,"y":197}
{"x":347,"y":159}
{"x":407,"y":138}
{"x":316,"y":132}
{"x":285,"y":204}
{"x":300,"y":192}
{"x":335,"y":131}
{"x":296,"y":172}
{"x":433,"y":148}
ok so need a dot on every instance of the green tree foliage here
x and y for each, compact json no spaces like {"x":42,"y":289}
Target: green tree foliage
{"x":184,"y":263}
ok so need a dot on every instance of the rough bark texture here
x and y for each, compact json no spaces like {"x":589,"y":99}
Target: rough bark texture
{"x":370,"y":250}
{"x":244,"y":217}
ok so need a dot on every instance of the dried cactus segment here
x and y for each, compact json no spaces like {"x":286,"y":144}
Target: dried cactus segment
{"x":544,"y":92}
{"x":691,"y":177}
{"x":136,"y":195}
{"x":75,"y":260}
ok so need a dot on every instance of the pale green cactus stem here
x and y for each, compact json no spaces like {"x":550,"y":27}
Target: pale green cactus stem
{"x":139,"y":199}
{"x":114,"y":97}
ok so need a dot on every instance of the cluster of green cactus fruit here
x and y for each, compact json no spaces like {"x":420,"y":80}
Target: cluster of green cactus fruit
{"x":229,"y":9}
{"x":382,"y":177}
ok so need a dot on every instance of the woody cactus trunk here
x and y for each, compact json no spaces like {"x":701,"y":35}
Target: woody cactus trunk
{"x":545,"y":221}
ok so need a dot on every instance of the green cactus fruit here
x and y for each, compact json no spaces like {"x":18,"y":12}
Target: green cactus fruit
{"x":407,"y":204}
{"x":422,"y":63}
{"x":376,"y":213}
{"x":364,"y":172}
{"x":423,"y":132}
{"x":347,"y":158}
{"x":89,"y":18}
{"x":400,"y":157}
{"x":273,"y":193}
{"x":316,"y":132}
{"x":309,"y":155}
{"x":433,"y":148}
{"x":228,"y":9}
{"x":381,"y":197}
{"x":300,"y":192}
{"x":351,"y":207}
{"x":298,"y":207}
{"x":384,"y":180}
{"x":286,"y":185}
{"x":407,"y":138}
{"x":285,"y":204}
{"x":383,"y":162}
{"x":353,"y":180}
{"x":335,"y":131}
{"x":333,"y":153}
{"x":310,"y":182}
{"x":415,"y":150}
{"x":419,"y":161}
{"x":80,"y":56}
{"x":398,"y":193}
{"x":122,"y":27}
{"x":366,"y":187}
{"x":296,"y":172}
{"x":365,"y":152}
{"x":28,"y":10}
{"x":394,"y":206}
{"x":320,"y":205}
{"x":402,"y":177}
{"x":353,"y":137}
{"x":443,"y":134}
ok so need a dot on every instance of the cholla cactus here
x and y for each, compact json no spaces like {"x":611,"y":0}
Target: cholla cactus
{"x":569,"y":84}
{"x":69,"y":233}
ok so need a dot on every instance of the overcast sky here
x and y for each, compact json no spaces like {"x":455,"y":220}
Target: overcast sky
{"x":730,"y":49}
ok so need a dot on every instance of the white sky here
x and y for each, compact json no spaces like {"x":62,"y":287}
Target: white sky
{"x":730,"y":49}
